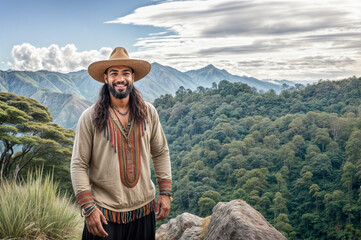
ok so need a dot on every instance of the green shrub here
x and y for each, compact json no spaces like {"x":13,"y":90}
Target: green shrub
{"x":35,"y":210}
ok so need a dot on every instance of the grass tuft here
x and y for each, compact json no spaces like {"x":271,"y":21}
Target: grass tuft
{"x":205,"y":224}
{"x":35,"y":210}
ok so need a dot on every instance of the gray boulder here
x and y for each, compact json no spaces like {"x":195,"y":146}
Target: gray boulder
{"x":236,"y":220}
{"x":185,"y":226}
{"x":193,"y":233}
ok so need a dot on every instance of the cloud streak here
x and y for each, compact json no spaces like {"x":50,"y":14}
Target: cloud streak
{"x":229,"y":32}
{"x":280,"y":39}
{"x":65,"y":59}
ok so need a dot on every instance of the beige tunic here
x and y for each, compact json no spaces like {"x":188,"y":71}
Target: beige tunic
{"x":95,"y":165}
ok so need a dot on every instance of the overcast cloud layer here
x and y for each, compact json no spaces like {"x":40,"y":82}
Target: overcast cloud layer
{"x":295,"y":40}
{"x":304,"y":40}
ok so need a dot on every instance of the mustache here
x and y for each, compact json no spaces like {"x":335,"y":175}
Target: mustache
{"x":120,"y":82}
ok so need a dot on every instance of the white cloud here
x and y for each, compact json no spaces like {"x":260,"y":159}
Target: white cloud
{"x":283,"y":36}
{"x":54,"y":58}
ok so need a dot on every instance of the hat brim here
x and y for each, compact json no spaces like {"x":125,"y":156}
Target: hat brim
{"x":97,"y":69}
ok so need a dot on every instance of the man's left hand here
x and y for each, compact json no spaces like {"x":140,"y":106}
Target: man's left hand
{"x":163,"y":207}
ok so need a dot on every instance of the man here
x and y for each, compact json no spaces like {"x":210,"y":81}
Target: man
{"x":114,"y":142}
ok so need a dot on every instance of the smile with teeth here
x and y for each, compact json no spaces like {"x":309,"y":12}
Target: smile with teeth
{"x":120,"y":86}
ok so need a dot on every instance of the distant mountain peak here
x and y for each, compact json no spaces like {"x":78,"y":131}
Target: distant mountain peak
{"x":210,"y":66}
{"x":157,"y":66}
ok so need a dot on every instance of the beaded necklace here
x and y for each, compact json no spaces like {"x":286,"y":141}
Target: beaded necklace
{"x":123,"y":114}
{"x":125,"y":129}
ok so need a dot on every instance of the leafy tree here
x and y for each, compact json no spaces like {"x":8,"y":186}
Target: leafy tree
{"x":323,"y":138}
{"x":348,"y":176}
{"x":271,"y":141}
{"x":283,"y":225}
{"x":279,"y":204}
{"x":353,"y":147}
{"x":208,"y":200}
{"x":206,"y":205}
{"x":29,"y":138}
{"x":315,"y":192}
{"x":333,"y":205}
{"x":321,"y":165}
{"x":213,"y":195}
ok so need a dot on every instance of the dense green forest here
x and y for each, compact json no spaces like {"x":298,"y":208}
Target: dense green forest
{"x":295,"y":157}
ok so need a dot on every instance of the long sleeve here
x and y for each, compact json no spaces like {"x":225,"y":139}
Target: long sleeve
{"x":80,"y":160}
{"x":160,"y":155}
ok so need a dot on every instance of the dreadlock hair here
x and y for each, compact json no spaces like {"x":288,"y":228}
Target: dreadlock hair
{"x":137,"y":107}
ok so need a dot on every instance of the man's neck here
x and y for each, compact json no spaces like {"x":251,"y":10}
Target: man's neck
{"x":121,"y":104}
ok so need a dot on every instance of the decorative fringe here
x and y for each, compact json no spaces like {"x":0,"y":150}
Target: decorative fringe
{"x":126,"y":217}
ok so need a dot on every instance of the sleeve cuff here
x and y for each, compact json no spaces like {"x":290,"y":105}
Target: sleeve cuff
{"x":84,"y":198}
{"x":165,"y":187}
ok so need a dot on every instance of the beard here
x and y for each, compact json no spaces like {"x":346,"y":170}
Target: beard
{"x":122,"y":94}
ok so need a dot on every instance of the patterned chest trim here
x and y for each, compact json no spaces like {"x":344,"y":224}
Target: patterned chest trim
{"x":128,"y":150}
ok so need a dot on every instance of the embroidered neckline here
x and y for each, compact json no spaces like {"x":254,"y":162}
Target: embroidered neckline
{"x":125,"y":131}
{"x":128,"y":148}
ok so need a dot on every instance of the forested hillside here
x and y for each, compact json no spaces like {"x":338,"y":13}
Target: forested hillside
{"x":295,"y":157}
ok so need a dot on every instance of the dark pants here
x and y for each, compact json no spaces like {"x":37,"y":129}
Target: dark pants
{"x":140,"y":229}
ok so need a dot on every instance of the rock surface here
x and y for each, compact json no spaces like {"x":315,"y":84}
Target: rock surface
{"x":236,"y":220}
{"x":185,"y":226}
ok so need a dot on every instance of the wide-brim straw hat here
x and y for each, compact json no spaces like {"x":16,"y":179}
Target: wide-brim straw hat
{"x":118,"y":57}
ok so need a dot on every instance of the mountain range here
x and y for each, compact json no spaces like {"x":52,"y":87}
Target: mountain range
{"x":68,"y":95}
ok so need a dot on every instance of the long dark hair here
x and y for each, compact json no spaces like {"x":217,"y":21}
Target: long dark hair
{"x":137,"y":107}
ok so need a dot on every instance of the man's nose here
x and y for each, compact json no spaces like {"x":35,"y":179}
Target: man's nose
{"x":121,"y":78}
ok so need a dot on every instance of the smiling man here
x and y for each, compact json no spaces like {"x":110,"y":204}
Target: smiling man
{"x":114,"y":142}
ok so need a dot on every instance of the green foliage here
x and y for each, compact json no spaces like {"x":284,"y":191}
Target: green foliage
{"x":283,"y":225}
{"x":206,"y":205}
{"x":295,"y":156}
{"x":35,"y":210}
{"x":28,"y":139}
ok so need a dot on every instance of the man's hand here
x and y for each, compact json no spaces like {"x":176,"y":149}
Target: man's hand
{"x":163,"y":207}
{"x":94,"y":223}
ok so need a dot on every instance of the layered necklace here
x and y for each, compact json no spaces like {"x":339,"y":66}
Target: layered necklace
{"x":116,"y":109}
{"x":125,"y":129}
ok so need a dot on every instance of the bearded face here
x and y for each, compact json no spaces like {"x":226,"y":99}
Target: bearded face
{"x":122,"y":92}
{"x":119,"y":80}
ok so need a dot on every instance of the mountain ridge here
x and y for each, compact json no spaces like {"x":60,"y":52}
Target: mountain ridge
{"x":160,"y":81}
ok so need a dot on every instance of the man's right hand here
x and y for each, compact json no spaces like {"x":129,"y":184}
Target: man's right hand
{"x":94,"y":223}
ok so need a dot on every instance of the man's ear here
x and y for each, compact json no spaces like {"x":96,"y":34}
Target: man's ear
{"x":105,"y":78}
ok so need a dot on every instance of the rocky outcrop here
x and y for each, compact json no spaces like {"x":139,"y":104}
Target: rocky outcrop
{"x":185,"y":226}
{"x":234,"y":220}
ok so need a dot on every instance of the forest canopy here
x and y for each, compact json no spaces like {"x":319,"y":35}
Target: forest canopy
{"x":295,"y":157}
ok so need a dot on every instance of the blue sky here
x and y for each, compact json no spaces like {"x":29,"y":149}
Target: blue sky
{"x":42,"y":23}
{"x":266,"y":39}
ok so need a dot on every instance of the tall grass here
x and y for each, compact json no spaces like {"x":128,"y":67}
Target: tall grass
{"x":35,"y":210}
